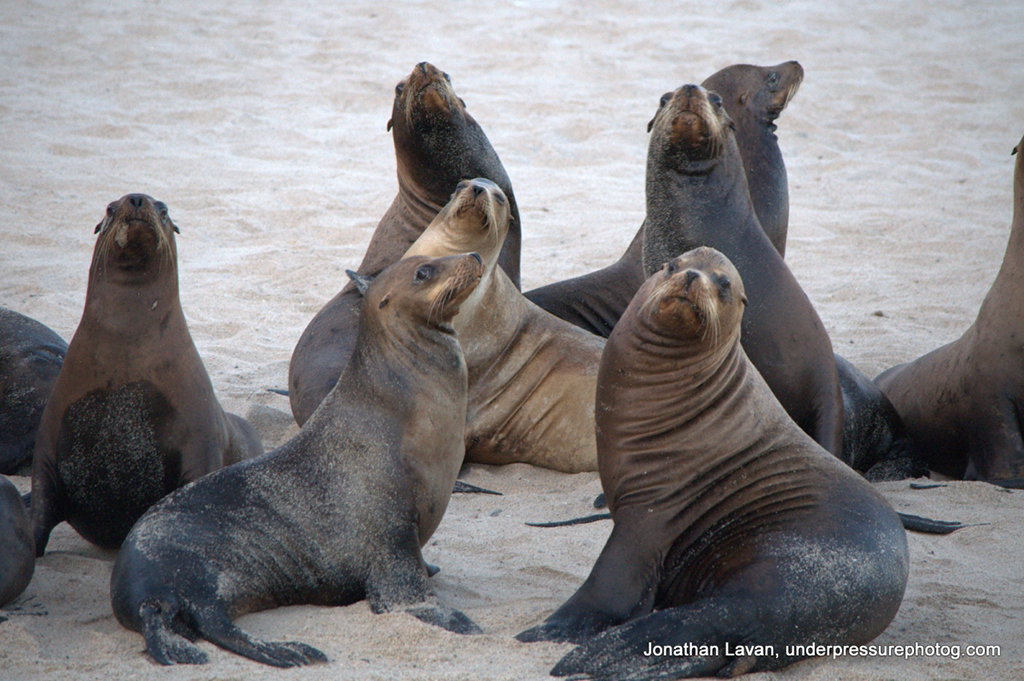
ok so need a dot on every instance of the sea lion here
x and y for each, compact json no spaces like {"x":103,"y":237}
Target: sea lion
{"x":875,"y":441}
{"x":336,"y":514}
{"x":697,"y":196}
{"x":961,"y":403}
{"x":735,"y":533}
{"x":437,"y":144}
{"x":133,"y":415}
{"x":532,"y":376}
{"x":17,"y":554}
{"x":30,"y":359}
{"x":754,"y":97}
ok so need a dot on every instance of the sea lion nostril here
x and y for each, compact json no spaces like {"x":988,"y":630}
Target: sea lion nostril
{"x":691,"y":276}
{"x":136,"y":200}
{"x":479,"y":260}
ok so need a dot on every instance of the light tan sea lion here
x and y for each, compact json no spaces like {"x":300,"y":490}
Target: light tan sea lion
{"x":531,"y":375}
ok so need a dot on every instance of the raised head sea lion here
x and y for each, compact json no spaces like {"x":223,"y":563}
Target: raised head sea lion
{"x":17,"y":553}
{"x":531,"y":375}
{"x":335,"y":515}
{"x":437,"y":144}
{"x":961,"y":403}
{"x":754,"y":97}
{"x":736,"y":535}
{"x":133,"y":415}
{"x":30,"y":359}
{"x":697,"y":196}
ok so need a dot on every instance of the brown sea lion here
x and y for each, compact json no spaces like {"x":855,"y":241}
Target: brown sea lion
{"x":532,"y":376}
{"x":133,"y":415}
{"x":736,"y":535}
{"x":17,"y":553}
{"x":30,"y":359}
{"x":754,"y":97}
{"x":437,"y":144}
{"x":961,"y":403}
{"x":697,"y":196}
{"x":335,"y":515}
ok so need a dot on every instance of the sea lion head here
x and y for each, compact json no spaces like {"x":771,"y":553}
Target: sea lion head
{"x":426,"y":290}
{"x":477,"y":218}
{"x":423,"y":100}
{"x":691,"y":125}
{"x":696,"y":297}
{"x":136,"y":240}
{"x":763,"y":92}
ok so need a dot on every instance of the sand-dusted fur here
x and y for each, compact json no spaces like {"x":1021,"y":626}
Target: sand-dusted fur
{"x":437,"y":144}
{"x":335,"y":515}
{"x":133,"y":415}
{"x":961,"y":403}
{"x":732,"y":526}
{"x":532,"y":376}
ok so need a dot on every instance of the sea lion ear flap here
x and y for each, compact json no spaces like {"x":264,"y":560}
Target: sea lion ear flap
{"x":1015,"y":150}
{"x":361,"y":281}
{"x":100,"y":226}
{"x":390,"y":123}
{"x":650,"y":124}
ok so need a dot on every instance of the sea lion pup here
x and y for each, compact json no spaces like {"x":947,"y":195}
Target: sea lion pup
{"x":133,"y":415}
{"x":697,"y":196}
{"x":17,"y":554}
{"x":735,"y":533}
{"x":961,"y":402}
{"x":437,"y":144}
{"x":336,"y":514}
{"x":532,"y":376}
{"x":754,"y":97}
{"x":30,"y":359}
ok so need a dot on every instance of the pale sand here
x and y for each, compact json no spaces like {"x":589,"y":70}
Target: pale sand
{"x":262,"y":126}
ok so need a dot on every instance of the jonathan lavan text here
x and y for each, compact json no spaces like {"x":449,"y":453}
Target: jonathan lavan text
{"x":953,"y":652}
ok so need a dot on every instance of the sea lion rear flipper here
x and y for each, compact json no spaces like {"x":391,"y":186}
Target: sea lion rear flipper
{"x":167,"y":638}
{"x":214,"y":625}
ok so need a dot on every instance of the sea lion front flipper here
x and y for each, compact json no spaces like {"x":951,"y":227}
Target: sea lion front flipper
{"x":673,"y":643}
{"x":399,"y":581}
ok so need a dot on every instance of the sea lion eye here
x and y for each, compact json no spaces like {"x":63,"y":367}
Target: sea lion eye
{"x":110,"y":208}
{"x":773,"y":79}
{"x":499,"y":199}
{"x":423,"y":274}
{"x":724,"y":284}
{"x":665,"y":99}
{"x":671,"y":268}
{"x":715,"y":100}
{"x":446,"y":77}
{"x":399,"y":88}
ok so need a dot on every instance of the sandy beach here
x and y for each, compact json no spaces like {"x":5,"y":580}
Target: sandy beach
{"x":262,"y":126}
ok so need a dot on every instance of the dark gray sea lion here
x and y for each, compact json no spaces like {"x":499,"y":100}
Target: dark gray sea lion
{"x":17,"y":553}
{"x":754,"y":97}
{"x":875,"y":441}
{"x":335,"y":515}
{"x":532,"y":376}
{"x":736,"y":535}
{"x":961,"y":403}
{"x":133,"y":415}
{"x":30,"y":359}
{"x":437,"y":144}
{"x":697,"y":196}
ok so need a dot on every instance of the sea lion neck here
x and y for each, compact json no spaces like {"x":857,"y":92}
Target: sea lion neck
{"x":1005,"y":293}
{"x":683,"y":207}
